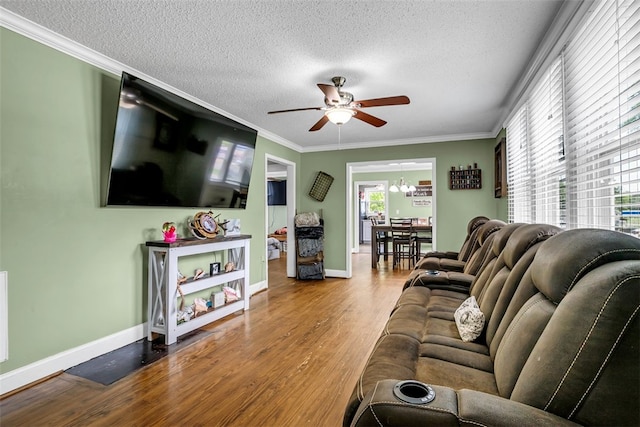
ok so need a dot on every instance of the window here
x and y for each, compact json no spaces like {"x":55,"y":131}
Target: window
{"x":547,"y":147}
{"x":603,"y":83}
{"x":374,"y":200}
{"x":535,"y":154}
{"x":573,"y":149}
{"x":518,"y":171}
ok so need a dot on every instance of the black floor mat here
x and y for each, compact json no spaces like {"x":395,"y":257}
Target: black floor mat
{"x":117,"y":364}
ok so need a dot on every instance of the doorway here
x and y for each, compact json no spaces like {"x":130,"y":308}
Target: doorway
{"x":371,"y":201}
{"x":281,"y":215}
{"x":352,"y":196}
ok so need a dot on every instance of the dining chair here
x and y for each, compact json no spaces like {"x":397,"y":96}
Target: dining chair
{"x":403,"y":241}
{"x":424,"y":237}
{"x":382,"y":248}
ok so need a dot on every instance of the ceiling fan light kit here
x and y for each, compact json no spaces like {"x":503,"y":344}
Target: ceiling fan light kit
{"x":339,"y":115}
{"x":340,"y":106}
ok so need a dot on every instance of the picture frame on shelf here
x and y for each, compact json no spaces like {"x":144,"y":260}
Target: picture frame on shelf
{"x":233,"y":227}
{"x":214,"y":268}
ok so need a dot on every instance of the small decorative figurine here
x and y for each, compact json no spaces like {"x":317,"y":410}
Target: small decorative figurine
{"x":169,"y":232}
{"x":229,"y":267}
{"x":230,"y":294}
{"x":199,"y":306}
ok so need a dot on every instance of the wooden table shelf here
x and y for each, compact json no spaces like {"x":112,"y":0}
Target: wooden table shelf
{"x":163,"y":282}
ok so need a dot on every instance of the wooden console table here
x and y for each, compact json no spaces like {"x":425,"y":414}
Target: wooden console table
{"x":163,"y":282}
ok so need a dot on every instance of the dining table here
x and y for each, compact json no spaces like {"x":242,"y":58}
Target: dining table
{"x":386,"y":229}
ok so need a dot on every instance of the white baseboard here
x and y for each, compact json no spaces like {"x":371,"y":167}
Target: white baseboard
{"x":336,"y":273}
{"x":257,"y":287}
{"x":25,"y":375}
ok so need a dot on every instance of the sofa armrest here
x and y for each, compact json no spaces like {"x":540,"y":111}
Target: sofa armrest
{"x":449,"y":255}
{"x":447,"y":280}
{"x":381,"y":407}
{"x":452,"y":265}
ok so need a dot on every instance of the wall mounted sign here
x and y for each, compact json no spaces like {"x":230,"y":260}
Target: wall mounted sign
{"x":420,"y":202}
{"x":321,"y":186}
{"x":421,"y":191}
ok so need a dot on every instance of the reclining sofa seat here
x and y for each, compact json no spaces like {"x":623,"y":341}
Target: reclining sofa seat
{"x":422,"y":325}
{"x":454,"y":261}
{"x":452,"y":296}
{"x":492,"y":297}
{"x":460,"y":280}
{"x":566,"y":349}
{"x":471,"y":225}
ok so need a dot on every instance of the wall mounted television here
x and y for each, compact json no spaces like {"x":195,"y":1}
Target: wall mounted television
{"x":277,"y":193}
{"x":169,"y":151}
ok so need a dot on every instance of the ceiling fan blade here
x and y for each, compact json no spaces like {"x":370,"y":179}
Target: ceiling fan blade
{"x":380,"y":102}
{"x":368,"y":118}
{"x":323,"y":121}
{"x":330,"y":92}
{"x":295,"y":109}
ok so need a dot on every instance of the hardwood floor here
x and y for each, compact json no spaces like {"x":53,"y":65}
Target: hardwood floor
{"x":291,"y":360}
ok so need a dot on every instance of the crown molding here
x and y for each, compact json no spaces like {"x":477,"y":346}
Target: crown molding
{"x":278,"y":139}
{"x":83,"y":53}
{"x":23,"y":26}
{"x":40,"y":34}
{"x":401,"y":165}
{"x":396,"y":142}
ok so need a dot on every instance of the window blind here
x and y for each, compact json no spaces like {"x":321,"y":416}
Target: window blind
{"x":573,"y":148}
{"x":518,"y":171}
{"x":547,"y":148}
{"x":602,"y":118}
{"x":535,"y":154}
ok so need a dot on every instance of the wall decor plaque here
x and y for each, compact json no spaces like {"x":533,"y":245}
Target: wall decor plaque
{"x":321,"y":186}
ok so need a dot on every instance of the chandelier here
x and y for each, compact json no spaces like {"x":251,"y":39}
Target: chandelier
{"x":403,"y":186}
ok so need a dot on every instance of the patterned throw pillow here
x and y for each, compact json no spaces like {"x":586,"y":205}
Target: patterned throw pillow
{"x":469,"y":320}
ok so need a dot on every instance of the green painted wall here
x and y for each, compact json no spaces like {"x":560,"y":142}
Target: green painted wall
{"x":77,"y":271}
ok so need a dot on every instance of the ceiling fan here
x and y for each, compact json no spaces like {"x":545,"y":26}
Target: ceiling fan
{"x":340,"y":106}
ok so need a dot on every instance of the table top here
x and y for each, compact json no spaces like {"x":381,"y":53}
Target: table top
{"x":387,"y":227}
{"x":280,"y":237}
{"x":192,"y":241}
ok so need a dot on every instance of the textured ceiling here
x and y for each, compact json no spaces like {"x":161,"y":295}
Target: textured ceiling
{"x":458,"y":61}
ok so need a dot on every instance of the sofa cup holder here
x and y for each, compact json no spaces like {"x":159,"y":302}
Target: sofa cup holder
{"x":414,"y":392}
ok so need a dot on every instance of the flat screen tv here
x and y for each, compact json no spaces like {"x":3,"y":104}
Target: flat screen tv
{"x":276,"y":193}
{"x":169,"y":151}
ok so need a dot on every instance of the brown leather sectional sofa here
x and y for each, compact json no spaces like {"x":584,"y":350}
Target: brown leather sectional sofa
{"x":560,"y":343}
